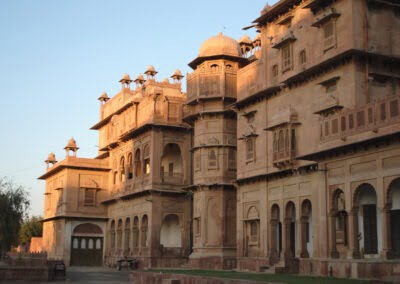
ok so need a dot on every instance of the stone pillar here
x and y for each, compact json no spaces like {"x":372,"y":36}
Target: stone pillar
{"x":355,"y":246}
{"x":273,"y":254}
{"x":288,"y":248}
{"x":332,"y":235}
{"x":303,"y":237}
{"x":386,"y":233}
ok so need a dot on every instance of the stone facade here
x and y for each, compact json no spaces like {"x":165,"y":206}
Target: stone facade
{"x":283,"y":154}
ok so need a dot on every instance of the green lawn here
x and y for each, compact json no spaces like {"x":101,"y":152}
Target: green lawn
{"x":277,"y":278}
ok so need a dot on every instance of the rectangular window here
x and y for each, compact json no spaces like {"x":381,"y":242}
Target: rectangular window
{"x":351,"y":121}
{"x":90,"y":197}
{"x":329,"y":35}
{"x":249,"y":149}
{"x":383,"y":111}
{"x":212,"y":159}
{"x":286,"y":57}
{"x":343,"y":123}
{"x":171,"y":169}
{"x":326,"y":128}
{"x":335,"y":126}
{"x":330,"y":87}
{"x":231,"y":159}
{"x":394,"y":109}
{"x":197,"y":160}
{"x":360,"y":118}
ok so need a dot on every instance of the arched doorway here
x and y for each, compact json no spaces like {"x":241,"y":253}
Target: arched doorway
{"x":171,"y":164}
{"x":170,"y":233}
{"x":393,"y":227}
{"x":290,"y":230}
{"x":87,"y":245}
{"x":135,"y":235}
{"x":144,"y":232}
{"x":338,"y":224}
{"x":127,"y":234}
{"x":275,"y":234}
{"x":252,"y":231}
{"x":306,"y":229}
{"x":365,"y":204}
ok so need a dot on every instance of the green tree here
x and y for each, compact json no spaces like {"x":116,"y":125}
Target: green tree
{"x":32,"y":227}
{"x":14,"y":205}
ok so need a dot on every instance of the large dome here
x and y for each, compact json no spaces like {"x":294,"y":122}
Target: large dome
{"x":220,"y":45}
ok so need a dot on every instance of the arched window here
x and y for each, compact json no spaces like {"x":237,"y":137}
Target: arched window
{"x":135,"y":232}
{"x":275,"y":71}
{"x":112,"y":234}
{"x":127,"y":234}
{"x":138,"y":164}
{"x":281,"y":141}
{"x":146,"y":157}
{"x":144,"y":231}
{"x":212,"y":159}
{"x":130,"y":166}
{"x":119,"y":235}
{"x":122,"y":169}
{"x":302,"y":57}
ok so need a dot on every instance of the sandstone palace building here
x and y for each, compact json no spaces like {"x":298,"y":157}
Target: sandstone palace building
{"x":283,"y":154}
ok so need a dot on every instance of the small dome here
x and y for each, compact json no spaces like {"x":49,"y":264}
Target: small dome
{"x":151,"y":71}
{"x":258,"y":37}
{"x":177,"y":72}
{"x":139,"y":79}
{"x":125,"y":77}
{"x":220,"y":45}
{"x":103,"y":97}
{"x":165,"y":81}
{"x":245,"y":39}
{"x":51,"y":158}
{"x":71,"y":144}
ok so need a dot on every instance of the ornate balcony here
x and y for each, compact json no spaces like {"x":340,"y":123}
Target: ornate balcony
{"x":371,"y":117}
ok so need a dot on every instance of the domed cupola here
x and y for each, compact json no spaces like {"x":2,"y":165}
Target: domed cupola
{"x":219,"y":46}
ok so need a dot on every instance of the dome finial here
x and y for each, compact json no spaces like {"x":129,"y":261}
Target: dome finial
{"x":71,"y":146}
{"x":51,"y":159}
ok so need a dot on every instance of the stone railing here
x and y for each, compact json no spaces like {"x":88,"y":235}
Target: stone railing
{"x":371,"y":117}
{"x":283,"y":157}
{"x":175,"y":178}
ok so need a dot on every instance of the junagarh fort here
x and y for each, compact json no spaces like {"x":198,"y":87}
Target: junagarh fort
{"x":283,"y":153}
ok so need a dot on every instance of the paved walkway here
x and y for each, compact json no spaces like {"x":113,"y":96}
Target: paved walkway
{"x":92,"y":275}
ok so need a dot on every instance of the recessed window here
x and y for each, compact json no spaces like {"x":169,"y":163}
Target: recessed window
{"x":329,"y":35}
{"x":286,"y":57}
{"x":275,"y":71}
{"x":90,"y":197}
{"x":212,"y":159}
{"x":250,"y":149}
{"x":303,"y":57}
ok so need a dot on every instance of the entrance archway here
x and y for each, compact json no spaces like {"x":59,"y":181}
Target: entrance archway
{"x":366,"y":216}
{"x":87,"y":245}
{"x":290,"y":230}
{"x":306,"y":229}
{"x":275,"y":234}
{"x":392,"y":211}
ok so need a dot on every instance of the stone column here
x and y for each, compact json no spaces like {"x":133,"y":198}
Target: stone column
{"x":273,"y":254}
{"x":303,"y":237}
{"x":332,"y":235}
{"x":386,"y":233}
{"x":355,"y":246}
{"x":288,"y":248}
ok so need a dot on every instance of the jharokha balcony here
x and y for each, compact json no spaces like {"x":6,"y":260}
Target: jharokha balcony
{"x":371,"y":117}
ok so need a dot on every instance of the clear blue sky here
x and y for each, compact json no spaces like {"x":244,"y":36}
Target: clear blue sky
{"x":56,"y":57}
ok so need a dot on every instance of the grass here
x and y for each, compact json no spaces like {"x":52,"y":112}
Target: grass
{"x":277,"y":278}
